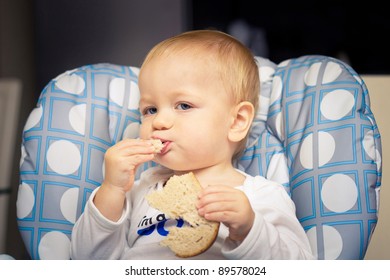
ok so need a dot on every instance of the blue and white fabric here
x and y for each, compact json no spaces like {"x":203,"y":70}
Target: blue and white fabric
{"x":314,"y":133}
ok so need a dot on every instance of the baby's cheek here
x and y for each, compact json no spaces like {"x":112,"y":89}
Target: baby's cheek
{"x":143,"y":131}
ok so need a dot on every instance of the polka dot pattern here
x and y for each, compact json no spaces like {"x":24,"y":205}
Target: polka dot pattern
{"x":70,"y":83}
{"x":279,"y":125}
{"x":131,"y":131}
{"x":325,"y":150}
{"x":266,"y":73}
{"x":346,"y":190}
{"x":332,"y":242}
{"x":63,"y":157}
{"x":54,"y":245}
{"x":312,"y":236}
{"x":25,"y":201}
{"x":68,"y":154}
{"x":77,"y":118}
{"x":117,"y":91}
{"x":263,"y":108}
{"x":68,"y":204}
{"x":332,"y":72}
{"x":370,"y":148}
{"x":34,"y":118}
{"x":337,"y":104}
{"x":277,"y":169}
{"x":23,"y":155}
{"x":311,"y":75}
{"x":134,"y":96}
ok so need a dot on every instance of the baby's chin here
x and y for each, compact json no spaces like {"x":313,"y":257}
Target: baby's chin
{"x":178,"y":168}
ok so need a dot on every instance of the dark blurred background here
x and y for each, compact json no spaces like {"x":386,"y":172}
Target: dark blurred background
{"x":40,"y":39}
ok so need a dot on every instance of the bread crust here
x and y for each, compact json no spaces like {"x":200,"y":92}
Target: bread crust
{"x":177,"y":200}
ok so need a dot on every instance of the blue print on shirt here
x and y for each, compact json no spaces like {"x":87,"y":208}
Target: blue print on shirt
{"x":160,"y":225}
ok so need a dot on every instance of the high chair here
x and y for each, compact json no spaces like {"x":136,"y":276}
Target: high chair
{"x":314,"y":133}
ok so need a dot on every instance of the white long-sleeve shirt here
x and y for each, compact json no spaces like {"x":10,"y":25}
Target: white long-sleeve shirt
{"x":276,"y":232}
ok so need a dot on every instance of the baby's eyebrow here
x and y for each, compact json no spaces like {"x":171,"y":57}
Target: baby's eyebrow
{"x":144,"y":100}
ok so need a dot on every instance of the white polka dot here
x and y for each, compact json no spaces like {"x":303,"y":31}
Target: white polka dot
{"x":131,"y":131}
{"x":284,"y":63}
{"x":370,"y":149}
{"x":377,"y":195}
{"x":266,"y":73}
{"x":369,"y":144}
{"x":311,"y":74}
{"x":337,"y":104}
{"x":339,"y":193}
{"x":23,"y":155}
{"x":378,"y":160}
{"x":331,"y":73}
{"x":277,"y":87}
{"x":63,"y":157}
{"x":134,"y":96}
{"x":279,"y":125}
{"x":34,"y":118}
{"x":54,"y":245}
{"x":333,"y":243}
{"x":277,"y":169}
{"x":312,"y":236}
{"x":25,"y":202}
{"x":306,"y":152}
{"x":70,"y":83}
{"x":326,"y":148}
{"x":68,"y":204}
{"x":77,"y":116}
{"x":116,"y":91}
{"x":262,"y":111}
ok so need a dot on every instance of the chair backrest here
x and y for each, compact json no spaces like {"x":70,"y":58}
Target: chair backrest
{"x":314,"y":133}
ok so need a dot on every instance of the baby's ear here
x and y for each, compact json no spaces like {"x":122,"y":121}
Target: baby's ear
{"x":242,"y":117}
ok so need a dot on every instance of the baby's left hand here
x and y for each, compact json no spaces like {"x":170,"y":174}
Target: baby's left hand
{"x":229,"y":206}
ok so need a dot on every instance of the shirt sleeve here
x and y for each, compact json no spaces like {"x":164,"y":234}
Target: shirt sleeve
{"x":276,"y":232}
{"x":96,"y":237}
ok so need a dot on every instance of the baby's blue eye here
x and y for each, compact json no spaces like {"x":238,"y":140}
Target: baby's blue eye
{"x":150,"y":111}
{"x":184,"y":106}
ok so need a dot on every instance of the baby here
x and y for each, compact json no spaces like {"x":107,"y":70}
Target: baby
{"x":199,"y":94}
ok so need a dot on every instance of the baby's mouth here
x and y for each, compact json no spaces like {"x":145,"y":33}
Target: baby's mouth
{"x":166,"y":147}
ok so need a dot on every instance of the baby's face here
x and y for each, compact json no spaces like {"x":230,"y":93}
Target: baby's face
{"x":184,"y":103}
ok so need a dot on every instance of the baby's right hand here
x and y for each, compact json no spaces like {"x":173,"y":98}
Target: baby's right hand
{"x":122,"y":161}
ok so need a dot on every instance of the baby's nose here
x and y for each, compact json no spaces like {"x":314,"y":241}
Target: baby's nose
{"x":163,"y":120}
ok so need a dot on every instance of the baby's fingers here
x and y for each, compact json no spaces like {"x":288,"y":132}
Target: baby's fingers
{"x":134,"y":146}
{"x":216,"y":211}
{"x":135,"y":160}
{"x":219,"y":207}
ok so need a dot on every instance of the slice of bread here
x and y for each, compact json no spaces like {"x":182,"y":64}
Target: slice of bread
{"x":177,"y":200}
{"x":158,"y":145}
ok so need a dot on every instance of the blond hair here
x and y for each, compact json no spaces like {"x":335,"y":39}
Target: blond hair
{"x":235,"y":63}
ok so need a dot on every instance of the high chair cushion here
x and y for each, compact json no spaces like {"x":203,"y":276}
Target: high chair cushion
{"x":314,"y":133}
